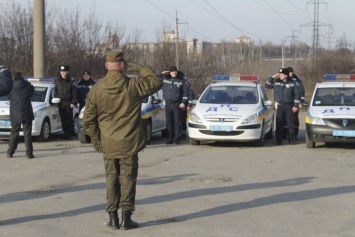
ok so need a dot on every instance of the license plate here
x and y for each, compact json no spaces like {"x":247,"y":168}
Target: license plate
{"x":5,"y":123}
{"x":221,"y":128}
{"x":344,"y":133}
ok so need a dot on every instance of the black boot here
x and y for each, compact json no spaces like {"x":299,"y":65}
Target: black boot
{"x":9,"y":153}
{"x":113,"y":222}
{"x":127,"y":222}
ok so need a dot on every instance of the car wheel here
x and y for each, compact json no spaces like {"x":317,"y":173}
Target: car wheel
{"x":309,"y":143}
{"x":84,"y":138}
{"x":75,"y":125}
{"x":194,"y":142}
{"x":147,"y":125}
{"x":45,"y":131}
{"x":260,"y":141}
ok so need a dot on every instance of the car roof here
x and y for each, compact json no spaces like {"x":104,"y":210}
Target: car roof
{"x":336,"y":84}
{"x":239,"y":83}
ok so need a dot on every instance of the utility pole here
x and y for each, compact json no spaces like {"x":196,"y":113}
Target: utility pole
{"x":177,"y":40}
{"x":38,"y":38}
{"x":177,"y":43}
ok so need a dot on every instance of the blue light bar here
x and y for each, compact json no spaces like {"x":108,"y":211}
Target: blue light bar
{"x":234,"y":78}
{"x":335,"y":77}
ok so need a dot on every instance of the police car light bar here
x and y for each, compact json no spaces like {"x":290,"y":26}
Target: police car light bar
{"x":40,"y":79}
{"x":339,"y":76}
{"x":234,"y":78}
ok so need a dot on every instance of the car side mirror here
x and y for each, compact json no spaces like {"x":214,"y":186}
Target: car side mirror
{"x":156,"y":101}
{"x":55,"y":100}
{"x":194,"y":102}
{"x":268,"y":103}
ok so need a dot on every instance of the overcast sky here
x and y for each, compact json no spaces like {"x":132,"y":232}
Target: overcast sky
{"x":216,"y":20}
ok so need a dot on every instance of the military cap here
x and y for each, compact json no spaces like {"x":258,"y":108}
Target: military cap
{"x":63,"y":68}
{"x":114,"y":57}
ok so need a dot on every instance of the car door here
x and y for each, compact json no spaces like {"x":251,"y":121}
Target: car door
{"x":56,"y":123}
{"x":160,"y":114}
{"x":269,"y":116}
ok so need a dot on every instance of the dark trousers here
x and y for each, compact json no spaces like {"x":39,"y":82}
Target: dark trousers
{"x":14,"y":136}
{"x":66,"y":116}
{"x":121,"y":179}
{"x":284,"y":116}
{"x":174,"y":121}
{"x":297,"y":123}
{"x":184,"y":117}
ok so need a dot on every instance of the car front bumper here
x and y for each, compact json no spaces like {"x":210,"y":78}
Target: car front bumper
{"x":241,"y":134}
{"x":324,"y":133}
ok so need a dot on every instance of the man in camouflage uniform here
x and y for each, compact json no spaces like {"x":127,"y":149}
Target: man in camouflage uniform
{"x":112,"y":119}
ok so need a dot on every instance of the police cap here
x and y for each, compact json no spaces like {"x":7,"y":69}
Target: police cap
{"x":284,"y":71}
{"x":63,"y":68}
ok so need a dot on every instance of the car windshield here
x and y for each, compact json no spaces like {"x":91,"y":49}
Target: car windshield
{"x":230,"y":95}
{"x":334,"y":96}
{"x":4,"y":98}
{"x":40,"y":94}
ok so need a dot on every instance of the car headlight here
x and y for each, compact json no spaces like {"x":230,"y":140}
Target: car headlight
{"x":195,"y":118}
{"x":37,"y":114}
{"x":251,"y":119}
{"x":317,"y":121}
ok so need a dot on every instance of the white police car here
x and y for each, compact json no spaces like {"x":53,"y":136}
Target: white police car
{"x":235,"y":108}
{"x":153,"y":116}
{"x":331,"y":113}
{"x":45,"y":109}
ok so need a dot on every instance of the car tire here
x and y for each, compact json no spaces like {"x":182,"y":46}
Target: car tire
{"x":45,"y":131}
{"x":309,"y":142}
{"x":148,"y":132}
{"x":84,"y":138}
{"x":194,"y":142}
{"x":260,"y":141}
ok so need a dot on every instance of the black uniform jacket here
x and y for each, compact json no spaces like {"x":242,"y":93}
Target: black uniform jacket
{"x":5,"y":81}
{"x":285,"y":91}
{"x":175,"y":90}
{"x":84,"y":87}
{"x":65,"y":90}
{"x":20,"y":102}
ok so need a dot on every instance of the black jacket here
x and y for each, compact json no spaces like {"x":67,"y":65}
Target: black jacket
{"x":65,"y":90}
{"x":302,"y":91}
{"x":5,"y":81}
{"x":20,"y":102}
{"x":84,"y":87}
{"x":175,"y":90}
{"x":285,"y":91}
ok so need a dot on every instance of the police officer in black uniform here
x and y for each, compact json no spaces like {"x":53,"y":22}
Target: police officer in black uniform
{"x":191,"y":96}
{"x":84,"y":87}
{"x":65,"y":90}
{"x":175,"y":95}
{"x":287,"y":98}
{"x":303,"y":99}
